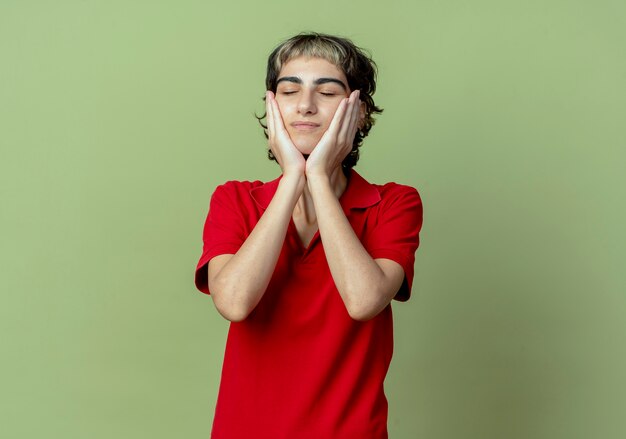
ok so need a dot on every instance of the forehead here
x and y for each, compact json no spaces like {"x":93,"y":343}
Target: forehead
{"x":311,"y":68}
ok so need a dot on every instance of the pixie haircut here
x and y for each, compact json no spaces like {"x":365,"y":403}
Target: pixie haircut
{"x":356,"y":64}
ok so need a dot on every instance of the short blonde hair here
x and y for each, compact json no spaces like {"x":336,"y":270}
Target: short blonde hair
{"x":356,"y":64}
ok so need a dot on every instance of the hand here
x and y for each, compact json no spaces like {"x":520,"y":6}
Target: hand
{"x":291,"y":160}
{"x":336,"y":143}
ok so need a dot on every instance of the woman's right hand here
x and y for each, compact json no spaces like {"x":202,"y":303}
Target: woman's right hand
{"x":291,"y":160}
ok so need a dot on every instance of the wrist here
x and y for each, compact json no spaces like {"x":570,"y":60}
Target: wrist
{"x":335,"y":183}
{"x":294,"y":180}
{"x":318,"y":180}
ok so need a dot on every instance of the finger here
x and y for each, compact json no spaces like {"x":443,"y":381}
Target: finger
{"x":270,"y":114}
{"x":346,"y":126}
{"x":281,"y":142}
{"x":356,"y":111}
{"x":354,"y":121}
{"x":336,"y":123}
{"x":279,"y":125}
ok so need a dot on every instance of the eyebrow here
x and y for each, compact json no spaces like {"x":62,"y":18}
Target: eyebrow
{"x":318,"y":81}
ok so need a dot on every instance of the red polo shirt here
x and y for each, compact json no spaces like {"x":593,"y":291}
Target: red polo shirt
{"x":299,"y":367}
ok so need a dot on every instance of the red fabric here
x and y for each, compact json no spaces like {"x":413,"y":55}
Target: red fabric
{"x":299,"y":366}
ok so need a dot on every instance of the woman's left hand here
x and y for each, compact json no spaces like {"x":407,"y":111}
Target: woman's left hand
{"x":336,"y":143}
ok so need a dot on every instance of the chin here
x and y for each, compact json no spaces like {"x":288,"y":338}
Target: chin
{"x":305,"y":148}
{"x":305,"y":142}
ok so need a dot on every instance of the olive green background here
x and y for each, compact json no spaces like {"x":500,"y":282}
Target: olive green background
{"x":119,"y":118}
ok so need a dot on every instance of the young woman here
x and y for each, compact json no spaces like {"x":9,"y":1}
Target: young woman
{"x":305,"y":266}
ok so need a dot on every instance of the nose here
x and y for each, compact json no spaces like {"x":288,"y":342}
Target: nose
{"x":306,"y":104}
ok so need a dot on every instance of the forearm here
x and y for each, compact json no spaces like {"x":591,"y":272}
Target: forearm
{"x":238,"y":285}
{"x":365,"y":287}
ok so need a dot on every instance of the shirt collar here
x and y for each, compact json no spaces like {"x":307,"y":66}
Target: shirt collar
{"x":359,"y":193}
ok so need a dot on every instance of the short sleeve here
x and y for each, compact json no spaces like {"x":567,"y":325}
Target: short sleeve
{"x":224,"y":231}
{"x":396,"y":234}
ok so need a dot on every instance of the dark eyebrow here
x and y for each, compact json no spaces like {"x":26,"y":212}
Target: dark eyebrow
{"x":321,"y":81}
{"x":318,"y":81}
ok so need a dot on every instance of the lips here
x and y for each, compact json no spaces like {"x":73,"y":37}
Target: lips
{"x":300,"y":125}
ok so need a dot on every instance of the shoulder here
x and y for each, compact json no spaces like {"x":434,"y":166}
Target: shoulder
{"x":398,"y":196}
{"x":400,"y":201}
{"x":235,"y":191}
{"x":237,"y":186}
{"x":392,"y":190}
{"x":248,"y":196}
{"x":384,"y":192}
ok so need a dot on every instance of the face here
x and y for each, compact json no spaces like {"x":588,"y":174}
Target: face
{"x":308,"y":92}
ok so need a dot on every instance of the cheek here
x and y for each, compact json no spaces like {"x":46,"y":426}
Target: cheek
{"x":283,"y":106}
